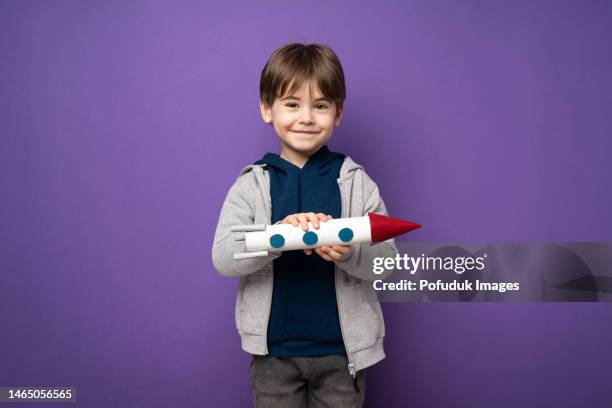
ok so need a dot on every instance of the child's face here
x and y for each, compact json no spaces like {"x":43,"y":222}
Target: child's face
{"x":303,"y":121}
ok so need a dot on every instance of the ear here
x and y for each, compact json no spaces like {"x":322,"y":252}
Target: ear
{"x":266,"y":112}
{"x":339,"y":114}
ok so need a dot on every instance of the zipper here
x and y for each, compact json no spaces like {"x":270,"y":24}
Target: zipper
{"x":265,"y":191}
{"x":345,"y":209}
{"x":351,"y":366}
{"x":354,"y":374}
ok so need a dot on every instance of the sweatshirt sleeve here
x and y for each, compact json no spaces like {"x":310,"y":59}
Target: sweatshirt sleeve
{"x":359,"y":263}
{"x":237,"y":210}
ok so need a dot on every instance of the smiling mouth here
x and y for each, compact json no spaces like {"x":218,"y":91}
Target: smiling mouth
{"x":309,"y":133}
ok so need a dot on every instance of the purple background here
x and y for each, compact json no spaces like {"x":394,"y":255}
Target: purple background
{"x":123,"y":124}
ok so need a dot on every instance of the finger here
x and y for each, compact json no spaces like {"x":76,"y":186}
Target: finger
{"x":322,"y":217}
{"x":314,"y":219}
{"x":303,"y":221}
{"x":330,"y":253}
{"x":291,"y":219}
{"x":308,"y":251}
{"x":333,"y":254}
{"x":322,"y":254}
{"x":329,"y":217}
{"x":343,"y":249}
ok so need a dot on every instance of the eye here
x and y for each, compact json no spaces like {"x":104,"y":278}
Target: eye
{"x":321,"y":106}
{"x":291,"y":105}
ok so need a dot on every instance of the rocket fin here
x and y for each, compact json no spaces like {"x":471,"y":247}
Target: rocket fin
{"x":247,"y":255}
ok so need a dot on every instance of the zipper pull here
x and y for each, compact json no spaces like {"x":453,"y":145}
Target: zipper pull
{"x":353,"y":373}
{"x":351,"y":369}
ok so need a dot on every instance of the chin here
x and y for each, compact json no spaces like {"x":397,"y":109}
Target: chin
{"x":305,"y":146}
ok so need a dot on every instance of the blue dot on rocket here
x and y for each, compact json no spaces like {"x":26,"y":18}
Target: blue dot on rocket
{"x":277,"y":241}
{"x":310,"y":238}
{"x":345,"y":234}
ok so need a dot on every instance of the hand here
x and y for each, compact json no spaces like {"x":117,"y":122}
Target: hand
{"x":329,"y":253}
{"x":302,"y":219}
{"x":334,"y":252}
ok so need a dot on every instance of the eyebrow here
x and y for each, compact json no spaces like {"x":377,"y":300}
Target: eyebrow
{"x":295,"y":97}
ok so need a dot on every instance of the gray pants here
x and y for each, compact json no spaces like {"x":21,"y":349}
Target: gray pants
{"x":301,"y":382}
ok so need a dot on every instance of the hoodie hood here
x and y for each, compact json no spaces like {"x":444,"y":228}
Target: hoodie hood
{"x":346,"y":171}
{"x":321,"y":162}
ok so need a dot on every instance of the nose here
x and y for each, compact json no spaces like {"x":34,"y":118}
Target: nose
{"x":306,"y":116}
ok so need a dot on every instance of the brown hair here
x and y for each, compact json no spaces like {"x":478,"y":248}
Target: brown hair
{"x":293,"y":64}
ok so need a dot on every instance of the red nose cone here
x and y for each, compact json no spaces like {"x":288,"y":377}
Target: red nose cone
{"x":384,"y":227}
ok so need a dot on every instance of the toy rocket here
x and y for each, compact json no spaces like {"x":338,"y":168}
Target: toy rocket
{"x":373,"y":228}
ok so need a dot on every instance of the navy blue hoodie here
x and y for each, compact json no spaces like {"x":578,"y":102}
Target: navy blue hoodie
{"x":304,"y":314}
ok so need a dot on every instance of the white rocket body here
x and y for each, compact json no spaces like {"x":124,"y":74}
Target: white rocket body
{"x":286,"y":237}
{"x":327,"y":234}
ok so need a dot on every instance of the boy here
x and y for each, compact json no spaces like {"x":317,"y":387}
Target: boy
{"x":303,"y":314}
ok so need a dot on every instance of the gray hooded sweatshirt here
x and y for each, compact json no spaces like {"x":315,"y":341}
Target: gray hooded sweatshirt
{"x":248,"y":202}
